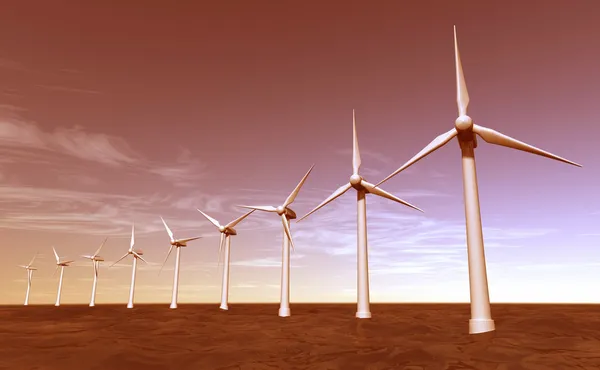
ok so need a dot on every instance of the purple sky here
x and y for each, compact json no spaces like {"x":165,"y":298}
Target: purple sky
{"x":122,"y":113}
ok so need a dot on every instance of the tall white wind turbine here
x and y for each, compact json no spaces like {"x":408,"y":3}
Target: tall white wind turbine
{"x":362,"y":188}
{"x":178,"y":244}
{"x":30,"y":269}
{"x":465,"y":130}
{"x":96,"y":259}
{"x":137,"y":254}
{"x":60,"y":264}
{"x":286,"y":215}
{"x":226,"y":231}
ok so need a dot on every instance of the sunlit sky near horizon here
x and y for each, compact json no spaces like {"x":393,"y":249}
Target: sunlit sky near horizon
{"x":117,"y":114}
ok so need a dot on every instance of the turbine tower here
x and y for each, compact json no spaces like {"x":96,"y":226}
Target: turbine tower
{"x":286,"y":215}
{"x":465,"y":130}
{"x":96,"y":259}
{"x":60,"y":264}
{"x":226,"y":231}
{"x":137,"y":253}
{"x":178,"y":244}
{"x":362,"y":188}
{"x":30,"y":269}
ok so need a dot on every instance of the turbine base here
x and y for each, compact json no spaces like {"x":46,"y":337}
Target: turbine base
{"x":363,"y":315}
{"x":57,"y":304}
{"x":173,"y":306}
{"x":477,"y":326}
{"x":224,"y":307}
{"x":130,"y":305}
{"x":284,"y":312}
{"x":92,"y":305}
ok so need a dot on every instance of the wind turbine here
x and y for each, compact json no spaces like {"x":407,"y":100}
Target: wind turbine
{"x":177,"y":243}
{"x":286,"y":215}
{"x":362,"y":188}
{"x":60,"y":264}
{"x":96,"y":259}
{"x":464,"y":130}
{"x":30,"y":271}
{"x":137,"y":253}
{"x":226,"y":231}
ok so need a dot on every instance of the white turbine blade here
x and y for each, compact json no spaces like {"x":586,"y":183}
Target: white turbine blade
{"x":23,"y":266}
{"x":286,"y":227}
{"x":237,"y":220}
{"x":212,"y":220}
{"x":56,"y":255}
{"x":33,"y":259}
{"x":261,"y":208}
{"x":462,"y":95}
{"x":221,"y":240}
{"x":437,"y":143}
{"x":356,"y":162}
{"x":188,"y":239}
{"x":120,"y":259}
{"x":101,"y":245}
{"x":290,"y":199}
{"x":494,"y":137}
{"x":55,"y":270}
{"x":168,"y":230}
{"x":372,"y":189}
{"x":341,"y":190}
{"x":166,"y":258}
{"x":140,"y":257}
{"x":88,"y":257}
{"x":132,"y":238}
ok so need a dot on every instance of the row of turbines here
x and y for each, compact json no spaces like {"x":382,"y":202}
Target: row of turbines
{"x":464,"y":130}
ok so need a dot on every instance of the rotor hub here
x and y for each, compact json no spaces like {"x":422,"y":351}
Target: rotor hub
{"x":463,"y":123}
{"x":221,"y":228}
{"x":355,"y":180}
{"x":280,"y":210}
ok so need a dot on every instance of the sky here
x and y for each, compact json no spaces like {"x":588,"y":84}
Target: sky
{"x":122,"y":113}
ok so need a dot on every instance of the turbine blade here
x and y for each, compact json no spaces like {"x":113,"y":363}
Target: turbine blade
{"x":290,"y":199}
{"x":33,"y":259}
{"x":494,"y":137}
{"x":119,"y":260}
{"x":132,"y":238}
{"x":101,"y":245}
{"x":237,"y":220}
{"x":286,"y":227}
{"x":188,"y":239}
{"x":356,"y":162}
{"x":55,"y":270}
{"x":220,"y":251}
{"x":168,"y":230}
{"x":462,"y":95}
{"x":25,"y":267}
{"x":341,"y":190}
{"x":437,"y":143}
{"x":261,"y":208}
{"x":56,"y":255}
{"x":212,"y":220}
{"x":384,"y":194}
{"x":166,"y":258}
{"x":140,"y":257}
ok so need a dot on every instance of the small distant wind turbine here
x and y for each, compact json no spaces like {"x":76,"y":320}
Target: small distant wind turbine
{"x":30,"y":269}
{"x":96,"y":259}
{"x":177,"y":243}
{"x":60,"y":264}
{"x":137,"y":253}
{"x":465,"y":130}
{"x":226,"y":231}
{"x":286,"y":215}
{"x":362,"y":188}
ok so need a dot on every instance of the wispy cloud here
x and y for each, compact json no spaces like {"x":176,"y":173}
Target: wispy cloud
{"x":68,"y":89}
